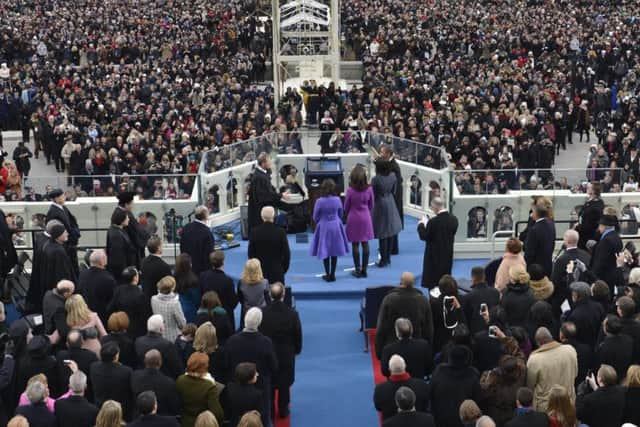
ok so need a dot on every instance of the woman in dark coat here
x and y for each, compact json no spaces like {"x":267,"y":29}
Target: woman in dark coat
{"x":541,"y":314}
{"x":632,"y":395}
{"x":386,"y":219}
{"x":445,"y":320}
{"x":499,"y":386}
{"x":211,"y":310}
{"x":518,"y":298}
{"x":118,"y":326}
{"x":129,"y":298}
{"x":120,"y":251}
{"x":590,"y":215}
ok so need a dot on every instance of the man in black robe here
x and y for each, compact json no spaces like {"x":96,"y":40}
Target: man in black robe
{"x":590,"y":215}
{"x":8,"y":255}
{"x":136,"y":232}
{"x":59,"y":211}
{"x":56,"y":263}
{"x":35,"y":293}
{"x":386,"y":154}
{"x":439,"y":234}
{"x":261,"y":192}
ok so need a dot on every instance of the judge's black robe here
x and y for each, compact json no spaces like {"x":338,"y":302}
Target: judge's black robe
{"x":138,"y":236}
{"x":56,"y":265}
{"x":438,"y":234}
{"x":70,"y":223}
{"x":36,"y":290}
{"x":121,"y":252}
{"x":261,"y":194}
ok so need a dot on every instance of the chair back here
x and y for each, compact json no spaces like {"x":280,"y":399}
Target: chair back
{"x":372,"y":301}
{"x":490,"y":271}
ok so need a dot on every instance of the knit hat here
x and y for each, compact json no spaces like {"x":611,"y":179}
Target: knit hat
{"x":57,"y":230}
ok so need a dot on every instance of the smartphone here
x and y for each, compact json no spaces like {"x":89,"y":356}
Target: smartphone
{"x":448,"y":303}
{"x":66,"y":362}
{"x":37,"y":320}
{"x":483,"y":308}
{"x":492,"y":332}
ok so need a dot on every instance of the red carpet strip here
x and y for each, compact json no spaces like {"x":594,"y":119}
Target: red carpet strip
{"x":280,"y":422}
{"x":375,"y":364}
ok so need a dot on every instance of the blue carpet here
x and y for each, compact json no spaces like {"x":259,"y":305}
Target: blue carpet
{"x":305,"y":271}
{"x":334,"y":380}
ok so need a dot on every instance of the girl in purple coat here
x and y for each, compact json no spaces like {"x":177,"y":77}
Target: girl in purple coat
{"x":329,"y":240}
{"x":358,"y":204}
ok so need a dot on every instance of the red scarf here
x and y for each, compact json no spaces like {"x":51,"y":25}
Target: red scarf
{"x":399,"y":377}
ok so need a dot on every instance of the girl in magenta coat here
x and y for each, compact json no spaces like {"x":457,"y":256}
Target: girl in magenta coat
{"x":358,"y":205}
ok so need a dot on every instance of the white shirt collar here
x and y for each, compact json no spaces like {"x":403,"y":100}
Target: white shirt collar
{"x":539,"y":219}
{"x":201,"y":222}
{"x":260,"y":169}
{"x":59,"y":206}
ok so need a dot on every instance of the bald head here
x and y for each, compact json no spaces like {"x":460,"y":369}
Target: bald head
{"x":571,"y":238}
{"x":65,"y":287}
{"x":397,"y":365}
{"x":98,"y":258}
{"x":407,"y":280}
{"x":268,"y":214}
{"x":153,"y":359}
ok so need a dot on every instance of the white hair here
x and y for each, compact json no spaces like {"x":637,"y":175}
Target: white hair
{"x":155,"y":324}
{"x":397,"y":365}
{"x":253,"y":318}
{"x":571,"y":237}
{"x":98,"y":257}
{"x":52,"y":223}
{"x":78,"y":382}
{"x":36,"y":392}
{"x":485,"y":421}
{"x":634,"y":275}
{"x":268,"y":213}
{"x":201,"y":212}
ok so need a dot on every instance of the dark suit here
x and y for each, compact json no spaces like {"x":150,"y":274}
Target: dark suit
{"x":270,"y":245}
{"x":131,"y":300}
{"x":587,"y":315}
{"x":282,"y":324}
{"x":218,"y":281}
{"x":38,"y":415}
{"x":529,"y":418}
{"x":384,"y":394}
{"x":172,"y":365}
{"x":602,"y":408}
{"x":84,"y":359}
{"x":153,"y":269}
{"x":410,"y":419}
{"x":480,"y":293}
{"x":439,"y":235}
{"x":70,"y":223}
{"x":559,"y":275}
{"x":197,"y":241}
{"x":631,"y":327}
{"x":416,"y":352}
{"x":97,"y":285}
{"x":56,"y":265}
{"x":589,"y":218}
{"x":539,"y":244}
{"x":162,"y":385}
{"x":237,"y":399}
{"x":261,"y":194}
{"x":121,"y":253}
{"x":153,"y":420}
{"x":603,"y":262}
{"x":75,"y":411}
{"x":616,"y":351}
{"x":36,"y":290}
{"x":111,"y":381}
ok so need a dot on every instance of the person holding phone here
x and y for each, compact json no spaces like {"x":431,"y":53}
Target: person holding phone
{"x":481,"y":298}
{"x":447,"y":312}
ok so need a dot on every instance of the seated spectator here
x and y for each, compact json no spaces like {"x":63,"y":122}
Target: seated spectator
{"x":525,"y":415}
{"x":499,"y":386}
{"x":187,"y":287}
{"x":172,"y":365}
{"x":539,"y":283}
{"x":110,"y":415}
{"x":407,"y":302}
{"x":586,"y":314}
{"x":167,"y":304}
{"x":512,"y":257}
{"x":481,"y":295}
{"x":616,"y":349}
{"x":111,"y":380}
{"x":451,"y":384}
{"x":469,"y":413}
{"x":585,"y":354}
{"x":147,"y":407}
{"x":407,"y":415}
{"x":151,"y":378}
{"x":241,"y":395}
{"x":130,"y":299}
{"x":36,"y":411}
{"x":216,"y":280}
{"x":446,"y":317}
{"x":384,"y":393}
{"x":632,"y":395}
{"x":198,"y":390}
{"x":75,"y":410}
{"x":117,"y":325}
{"x":80,"y":317}
{"x":518,"y":298}
{"x":211,"y":310}
{"x":605,"y":405}
{"x":416,"y":352}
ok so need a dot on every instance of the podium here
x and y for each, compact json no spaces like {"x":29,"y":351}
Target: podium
{"x":317,"y":169}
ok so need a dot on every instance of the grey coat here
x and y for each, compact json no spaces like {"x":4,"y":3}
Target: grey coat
{"x":386,"y":219}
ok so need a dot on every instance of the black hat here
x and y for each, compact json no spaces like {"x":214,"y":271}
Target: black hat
{"x":55,"y":193}
{"x":459,"y":356}
{"x":57,"y":230}
{"x":608,"y":220}
{"x":125,"y":197}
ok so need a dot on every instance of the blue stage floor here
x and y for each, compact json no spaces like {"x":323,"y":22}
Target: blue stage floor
{"x":305,"y":272}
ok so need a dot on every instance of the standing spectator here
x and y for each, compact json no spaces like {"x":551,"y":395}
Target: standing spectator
{"x":81,"y":356}
{"x":500,"y":385}
{"x":59,"y":211}
{"x":403,"y":302}
{"x":269,"y":244}
{"x":603,"y":263}
{"x":21,"y":156}
{"x":241,"y":395}
{"x":584,"y":351}
{"x":386,"y":219}
{"x":197,"y":240}
{"x":470,"y":413}
{"x":632,"y":395}
{"x":384,"y":393}
{"x":451,"y":384}
{"x":172,"y":365}
{"x":37,"y":282}
{"x":252,"y":287}
{"x":130,"y":299}
{"x":387,"y":155}
{"x":539,"y":283}
{"x":54,"y":315}
{"x":215,"y":279}
{"x":80,"y":317}
{"x":250,"y":345}
{"x":211,"y":310}
{"x":110,"y":415}
{"x":586,"y":314}
{"x":481,"y":295}
{"x":560,"y":278}
{"x":138,"y":236}
{"x":75,"y":410}
{"x":261,"y":191}
{"x":604,"y":407}
{"x":561,"y":408}
{"x":97,"y":284}
{"x":512,"y":257}
{"x":626,"y":309}
{"x":407,"y":415}
{"x":329,"y":239}
{"x":118,"y":325}
{"x":552,"y":363}
{"x":447,"y":312}
{"x":358,"y":205}
{"x":121,"y":253}
{"x":282,"y":324}
{"x":540,"y":241}
{"x":154,"y":267}
{"x":167,"y":304}
{"x":147,"y":407}
{"x":8,"y":255}
{"x":616,"y":349}
{"x":36,"y":411}
{"x":416,"y":352}
{"x":198,"y":390}
{"x":518,"y":298}
{"x":438,"y":234}
{"x":56,"y":263}
{"x":526,"y":415}
{"x":590,"y":215}
{"x":187,"y":287}
{"x":112,"y":380}
{"x":151,"y":378}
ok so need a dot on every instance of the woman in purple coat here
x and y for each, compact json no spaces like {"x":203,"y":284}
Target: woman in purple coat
{"x":358,"y":204}
{"x":329,"y":240}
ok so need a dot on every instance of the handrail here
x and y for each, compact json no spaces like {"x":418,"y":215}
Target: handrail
{"x":507,"y":233}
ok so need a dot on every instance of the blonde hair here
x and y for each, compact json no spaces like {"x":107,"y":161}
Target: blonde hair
{"x":561,"y":407}
{"x":252,"y":273}
{"x":632,"y":380}
{"x":206,"y":419}
{"x":18,"y":421}
{"x":205,"y":339}
{"x":166,"y":285}
{"x":110,"y":415}
{"x":78,"y":313}
{"x":251,"y":419}
{"x":42,"y":378}
{"x":517,"y":274}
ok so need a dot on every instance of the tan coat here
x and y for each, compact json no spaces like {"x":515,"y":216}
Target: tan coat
{"x":502,"y":275}
{"x":552,"y":363}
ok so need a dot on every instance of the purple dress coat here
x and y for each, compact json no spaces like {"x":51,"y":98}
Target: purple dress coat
{"x":329,"y":238}
{"x":358,"y":206}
